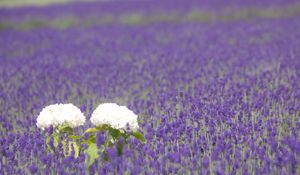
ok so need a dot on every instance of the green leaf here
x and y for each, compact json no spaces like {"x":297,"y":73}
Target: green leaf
{"x":92,"y":139}
{"x":120,"y":148}
{"x":74,"y":137}
{"x":91,"y":130}
{"x":103,"y":127}
{"x":125,"y":136}
{"x":47,"y":139}
{"x":92,"y":152}
{"x":96,"y":129}
{"x":105,"y":156}
{"x":139,"y":136}
{"x":65,"y":129}
{"x":48,"y":147}
{"x":115,"y":133}
{"x":55,"y":140}
{"x":109,"y":143}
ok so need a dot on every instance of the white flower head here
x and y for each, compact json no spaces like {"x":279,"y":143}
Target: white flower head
{"x":46,"y":116}
{"x":60,"y":114}
{"x":116,"y":116}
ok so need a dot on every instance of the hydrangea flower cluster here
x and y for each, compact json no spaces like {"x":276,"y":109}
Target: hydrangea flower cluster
{"x":119,"y":117}
{"x":60,"y":114}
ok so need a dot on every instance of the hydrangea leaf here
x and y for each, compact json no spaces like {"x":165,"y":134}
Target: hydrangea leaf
{"x":120,"y":148}
{"x":139,"y":136}
{"x":74,"y":137}
{"x":92,"y":139}
{"x":96,"y":129}
{"x":55,"y":140}
{"x":66,"y":129}
{"x":48,"y":147}
{"x":110,"y":143}
{"x":115,"y":133}
{"x":89,"y":130}
{"x":92,"y":152}
{"x":102,"y":127}
{"x":105,"y":156}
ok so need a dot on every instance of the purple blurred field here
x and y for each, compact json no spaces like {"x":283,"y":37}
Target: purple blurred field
{"x":216,"y":85}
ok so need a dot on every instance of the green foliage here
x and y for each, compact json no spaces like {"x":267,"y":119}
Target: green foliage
{"x":92,"y":139}
{"x":74,"y":137}
{"x":75,"y":142}
{"x":120,"y":147}
{"x":139,"y":136}
{"x":105,"y":156}
{"x":92,"y":152}
{"x":91,"y":130}
{"x":55,"y":139}
{"x":65,"y":129}
{"x":115,"y":133}
{"x":97,"y":129}
{"x":48,"y":148}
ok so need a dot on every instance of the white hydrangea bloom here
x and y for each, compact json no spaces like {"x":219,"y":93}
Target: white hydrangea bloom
{"x":59,"y":114}
{"x":46,"y":116}
{"x":114,"y":115}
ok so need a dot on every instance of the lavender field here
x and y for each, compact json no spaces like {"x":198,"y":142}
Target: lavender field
{"x":216,"y":85}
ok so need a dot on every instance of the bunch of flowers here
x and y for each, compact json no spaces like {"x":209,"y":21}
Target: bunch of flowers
{"x":114,"y":121}
{"x":60,"y":114}
{"x":116,"y":116}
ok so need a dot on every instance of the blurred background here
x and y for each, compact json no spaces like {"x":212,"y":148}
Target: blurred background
{"x":16,"y":3}
{"x":63,"y":14}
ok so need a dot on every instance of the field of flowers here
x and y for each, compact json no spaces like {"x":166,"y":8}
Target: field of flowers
{"x":215,"y":85}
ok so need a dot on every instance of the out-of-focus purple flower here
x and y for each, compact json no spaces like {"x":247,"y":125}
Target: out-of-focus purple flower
{"x":205,"y":162}
{"x":33,"y":169}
